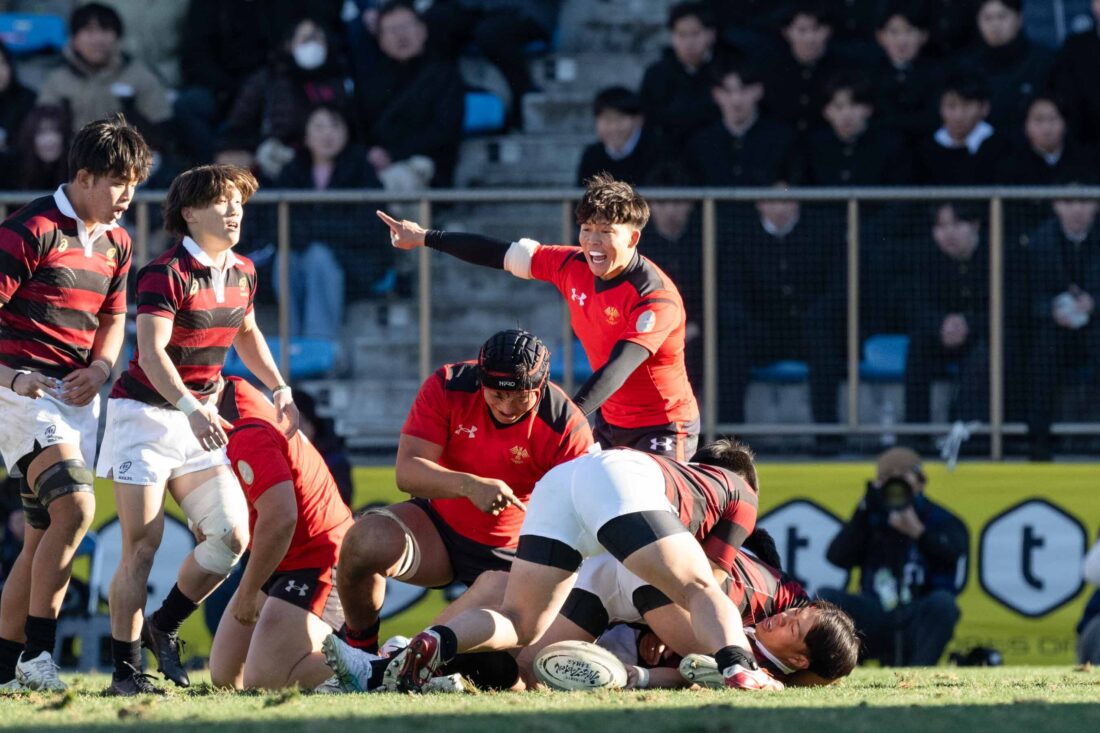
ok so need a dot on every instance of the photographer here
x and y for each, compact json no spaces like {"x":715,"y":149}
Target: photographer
{"x":908,"y":550}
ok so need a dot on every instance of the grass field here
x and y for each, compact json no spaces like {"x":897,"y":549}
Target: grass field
{"x":1033,"y":699}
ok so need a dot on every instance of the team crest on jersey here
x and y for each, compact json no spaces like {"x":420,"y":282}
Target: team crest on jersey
{"x":242,"y":284}
{"x":612,"y":314}
{"x":112,"y":253}
{"x":62,"y":245}
{"x":194,"y":287}
{"x":519,"y":454}
{"x":646,"y":322}
{"x":245,"y":470}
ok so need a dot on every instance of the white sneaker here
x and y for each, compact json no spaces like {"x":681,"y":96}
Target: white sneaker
{"x":331,"y":686}
{"x":352,"y":667}
{"x":39,"y":673}
{"x":393,"y":645}
{"x":702,"y":670}
{"x":452,"y":683}
{"x":12,"y":686}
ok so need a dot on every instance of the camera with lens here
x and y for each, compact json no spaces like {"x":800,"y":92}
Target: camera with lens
{"x":894,"y":494}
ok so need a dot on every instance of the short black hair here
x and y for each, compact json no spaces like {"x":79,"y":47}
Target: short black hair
{"x":732,"y":455}
{"x":727,"y":65}
{"x":1016,"y":6}
{"x":915,"y":13}
{"x":98,"y":14}
{"x":619,"y":99}
{"x":833,"y":642}
{"x":967,"y":82}
{"x":813,"y":8}
{"x":395,"y":5}
{"x":692,"y":9}
{"x":854,"y":83}
{"x":669,"y":173}
{"x":110,"y":147}
{"x":963,"y":210}
{"x":1046,"y":96}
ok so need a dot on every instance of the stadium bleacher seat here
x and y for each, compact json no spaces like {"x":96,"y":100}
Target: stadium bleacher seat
{"x":884,"y":356}
{"x":309,"y":358}
{"x":25,"y":34}
{"x":786,"y":371}
{"x":484,"y":113}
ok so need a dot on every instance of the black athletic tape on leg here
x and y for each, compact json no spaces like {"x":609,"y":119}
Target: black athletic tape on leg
{"x":625,"y":535}
{"x":34,"y":513}
{"x":64,"y":477}
{"x":487,"y":670}
{"x":549,"y":552}
{"x":647,"y":598}
{"x":585,"y":609}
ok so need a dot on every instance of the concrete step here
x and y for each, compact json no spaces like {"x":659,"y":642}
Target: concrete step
{"x":587,"y":73}
{"x":621,"y":26}
{"x":527,"y":160}
{"x":559,"y":112}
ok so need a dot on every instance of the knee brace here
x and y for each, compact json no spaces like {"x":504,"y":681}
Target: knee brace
{"x":409,"y":562}
{"x":216,"y":507}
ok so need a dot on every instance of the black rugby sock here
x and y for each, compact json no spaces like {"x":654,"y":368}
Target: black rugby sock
{"x":127,"y":656}
{"x":41,"y":635}
{"x":448,"y":643}
{"x":174,"y":611}
{"x":9,"y":657}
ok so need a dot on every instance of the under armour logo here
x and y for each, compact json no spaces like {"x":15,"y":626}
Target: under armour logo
{"x":291,"y":586}
{"x":578,"y":297}
{"x":661,"y":444}
{"x":468,"y":430}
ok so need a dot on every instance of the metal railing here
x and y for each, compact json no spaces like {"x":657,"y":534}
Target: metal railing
{"x":853,"y":199}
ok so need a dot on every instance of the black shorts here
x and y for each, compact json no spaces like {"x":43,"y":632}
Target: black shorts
{"x":469,"y":559}
{"x":676,"y":440}
{"x":305,"y":589}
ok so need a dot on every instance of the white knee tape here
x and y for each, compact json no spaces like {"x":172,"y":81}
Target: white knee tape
{"x":216,"y":507}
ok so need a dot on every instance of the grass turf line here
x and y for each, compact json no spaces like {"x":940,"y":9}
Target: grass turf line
{"x":1033,"y":699}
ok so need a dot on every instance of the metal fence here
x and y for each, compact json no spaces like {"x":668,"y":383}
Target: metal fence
{"x":857,"y":225}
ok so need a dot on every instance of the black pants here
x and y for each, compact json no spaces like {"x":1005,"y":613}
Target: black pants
{"x":928,"y":358}
{"x":914,"y":635}
{"x":1055,"y":354}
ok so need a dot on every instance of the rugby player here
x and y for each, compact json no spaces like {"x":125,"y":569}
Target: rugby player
{"x":63,"y":266}
{"x":627,"y":313}
{"x":286,"y":602}
{"x":666,"y":521}
{"x":478,"y":437}
{"x":163,"y":429}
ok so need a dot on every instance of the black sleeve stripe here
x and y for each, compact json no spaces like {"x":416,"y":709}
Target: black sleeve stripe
{"x":464,"y":378}
{"x":647,"y":598}
{"x":14,"y":267}
{"x":575,"y":257}
{"x":587,"y":611}
{"x":556,"y":409}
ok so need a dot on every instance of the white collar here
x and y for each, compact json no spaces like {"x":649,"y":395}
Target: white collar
{"x":197,"y":252}
{"x":87,"y":239}
{"x":981,"y":132}
{"x":785,"y":669}
{"x":775,"y":231}
{"x":627,"y":149}
{"x":1052,"y":158}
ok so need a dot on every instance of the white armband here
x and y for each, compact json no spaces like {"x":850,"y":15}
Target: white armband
{"x":188,"y":404}
{"x":517,"y":260}
{"x":642,"y":675}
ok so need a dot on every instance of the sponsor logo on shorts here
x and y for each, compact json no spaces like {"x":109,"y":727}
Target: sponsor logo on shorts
{"x":646,"y":322}
{"x":469,"y":431}
{"x":51,"y":431}
{"x":124,"y":467}
{"x":661,"y":444}
{"x":519,"y":454}
{"x":612,"y":314}
{"x":245,"y":470}
{"x":302,"y":589}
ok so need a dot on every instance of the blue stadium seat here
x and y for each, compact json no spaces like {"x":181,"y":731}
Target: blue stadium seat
{"x":309,"y":358}
{"x":25,"y":34}
{"x":884,"y":358}
{"x":484,"y":113}
{"x":787,"y":371}
{"x":582,"y":370}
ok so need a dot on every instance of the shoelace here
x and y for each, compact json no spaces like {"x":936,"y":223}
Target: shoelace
{"x":142,"y":680}
{"x":46,"y":667}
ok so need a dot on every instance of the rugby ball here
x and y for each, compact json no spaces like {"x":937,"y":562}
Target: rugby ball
{"x":579,"y":665}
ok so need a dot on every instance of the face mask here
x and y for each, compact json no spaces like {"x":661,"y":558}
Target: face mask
{"x":310,"y":55}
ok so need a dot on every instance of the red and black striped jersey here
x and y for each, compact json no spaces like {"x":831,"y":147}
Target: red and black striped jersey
{"x":450,"y":411}
{"x":716,"y":505}
{"x":760,"y":590}
{"x":53,"y":287}
{"x":206,"y":306}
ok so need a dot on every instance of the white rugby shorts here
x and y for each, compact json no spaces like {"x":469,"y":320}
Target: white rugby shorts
{"x":47,"y":420}
{"x":608,"y":579}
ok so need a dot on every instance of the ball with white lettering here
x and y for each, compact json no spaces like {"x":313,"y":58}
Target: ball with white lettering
{"x":578,"y":665}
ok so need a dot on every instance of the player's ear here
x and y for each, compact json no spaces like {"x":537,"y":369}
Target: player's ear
{"x":635,"y":237}
{"x":799,"y":661}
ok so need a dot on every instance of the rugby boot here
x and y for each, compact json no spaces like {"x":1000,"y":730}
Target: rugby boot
{"x":135,"y":683}
{"x":411,"y":669}
{"x":355,"y":669}
{"x":166,"y":648}
{"x":39,"y":674}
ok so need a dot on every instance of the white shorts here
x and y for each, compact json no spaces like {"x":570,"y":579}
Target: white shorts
{"x":608,"y":579}
{"x":47,"y":421}
{"x":148,"y":445}
{"x":573,"y":501}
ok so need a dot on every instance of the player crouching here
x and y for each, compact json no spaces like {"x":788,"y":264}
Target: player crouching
{"x":287,"y":599}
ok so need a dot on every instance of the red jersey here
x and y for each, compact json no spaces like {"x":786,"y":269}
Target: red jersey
{"x":717,"y":506}
{"x":760,"y":590}
{"x":450,"y":411}
{"x":262,"y":456}
{"x":206,"y":307}
{"x":641,"y":305}
{"x":52,"y":287}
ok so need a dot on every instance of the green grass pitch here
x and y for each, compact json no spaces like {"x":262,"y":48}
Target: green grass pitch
{"x":1033,"y":699}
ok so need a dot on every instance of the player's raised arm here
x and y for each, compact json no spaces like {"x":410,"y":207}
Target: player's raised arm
{"x":473,"y":248}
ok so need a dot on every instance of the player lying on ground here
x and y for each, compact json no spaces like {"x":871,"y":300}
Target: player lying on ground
{"x":163,"y":428}
{"x":627,"y":313}
{"x":63,"y":266}
{"x":659,"y":517}
{"x":286,"y":602}
{"x":478,"y":437}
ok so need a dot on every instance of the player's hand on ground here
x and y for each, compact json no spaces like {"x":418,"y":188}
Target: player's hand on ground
{"x":80,"y":386}
{"x":491,"y":495}
{"x":209,"y":427}
{"x":743,"y":678}
{"x":286,"y":409}
{"x":404,"y":234}
{"x":244,"y":607}
{"x":35,"y":385}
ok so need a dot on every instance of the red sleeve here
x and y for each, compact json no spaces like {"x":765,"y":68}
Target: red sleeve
{"x":258,"y":456}
{"x":429,"y":418}
{"x":18,"y":259}
{"x":160,"y":291}
{"x":116,"y":293}
{"x":549,"y":263}
{"x":733,"y":528}
{"x":652,"y":320}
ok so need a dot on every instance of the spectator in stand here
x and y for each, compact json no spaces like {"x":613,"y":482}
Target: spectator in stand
{"x":155,"y":35}
{"x":1075,"y":79}
{"x":784,"y":286}
{"x":626,"y":149}
{"x":98,"y":80}
{"x":906,"y":81}
{"x":950,"y":293}
{"x":749,"y":26}
{"x":966,"y":149}
{"x":43,"y":147}
{"x":1064,"y":265}
{"x":676,"y":96}
{"x":1046,"y":151}
{"x":742,"y":148}
{"x":854,"y":28}
{"x":324,"y":237}
{"x":412,"y":110}
{"x":795,"y":77}
{"x":851,"y":151}
{"x":1014,"y":67}
{"x":16,"y":101}
{"x":501,"y":29}
{"x":269,"y":114}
